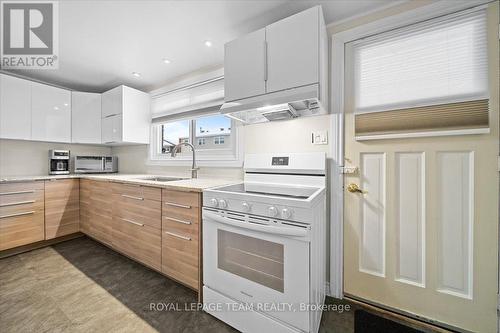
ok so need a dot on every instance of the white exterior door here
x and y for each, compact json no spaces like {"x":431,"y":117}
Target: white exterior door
{"x":244,"y":66}
{"x":423,"y":237}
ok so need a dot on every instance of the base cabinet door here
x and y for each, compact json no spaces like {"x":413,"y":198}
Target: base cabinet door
{"x":21,"y":214}
{"x":62,"y":207}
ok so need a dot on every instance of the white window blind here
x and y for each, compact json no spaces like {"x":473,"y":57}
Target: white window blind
{"x":435,"y":62}
{"x":196,"y":99}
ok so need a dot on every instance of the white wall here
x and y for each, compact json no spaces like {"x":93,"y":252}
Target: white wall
{"x":30,"y":158}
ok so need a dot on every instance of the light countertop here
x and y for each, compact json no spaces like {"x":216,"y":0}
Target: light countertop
{"x":186,"y":184}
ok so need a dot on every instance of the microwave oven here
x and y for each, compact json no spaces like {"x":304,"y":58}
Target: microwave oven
{"x":95,"y":164}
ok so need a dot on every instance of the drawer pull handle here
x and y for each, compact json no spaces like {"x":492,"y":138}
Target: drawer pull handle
{"x":133,"y":222}
{"x":17,"y":214}
{"x":132,"y":197}
{"x":177,"y":205}
{"x":18,"y":192}
{"x":176,"y":220}
{"x":17,"y":203}
{"x":178,"y":236}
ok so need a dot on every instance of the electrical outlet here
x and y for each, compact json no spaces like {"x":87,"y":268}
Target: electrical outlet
{"x":319,"y":137}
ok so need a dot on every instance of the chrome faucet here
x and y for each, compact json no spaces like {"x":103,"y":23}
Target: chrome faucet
{"x":175,"y":149}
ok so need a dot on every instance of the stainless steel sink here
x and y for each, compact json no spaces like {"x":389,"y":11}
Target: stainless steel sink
{"x":161,"y":179}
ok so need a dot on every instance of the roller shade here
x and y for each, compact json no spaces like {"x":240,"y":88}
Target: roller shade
{"x":190,"y":101}
{"x":436,"y":62}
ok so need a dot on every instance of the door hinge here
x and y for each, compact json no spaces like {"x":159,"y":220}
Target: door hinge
{"x":348,"y":170}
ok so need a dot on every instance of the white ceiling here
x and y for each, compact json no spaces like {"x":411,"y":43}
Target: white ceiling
{"x":102,"y":42}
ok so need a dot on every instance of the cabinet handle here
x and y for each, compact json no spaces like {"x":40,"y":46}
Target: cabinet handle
{"x":132,"y":197}
{"x":18,"y":192}
{"x":17,"y":214}
{"x":133,"y":222}
{"x":111,"y":115}
{"x":177,"y":205}
{"x":17,"y":203}
{"x":178,"y":236}
{"x":109,"y":142}
{"x":176,"y":220}
{"x":265,"y":60}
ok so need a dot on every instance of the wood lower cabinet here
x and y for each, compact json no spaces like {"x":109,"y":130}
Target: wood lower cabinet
{"x":62,"y":207}
{"x":21,"y":214}
{"x":137,"y":223}
{"x":96,"y":211}
{"x":181,"y":237}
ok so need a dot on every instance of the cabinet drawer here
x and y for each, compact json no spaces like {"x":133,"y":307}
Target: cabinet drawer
{"x":22,"y":197}
{"x":145,"y":211}
{"x":181,"y":227}
{"x":181,"y":205}
{"x":99,"y":227}
{"x":13,"y":188}
{"x":180,"y":257}
{"x":180,"y":199}
{"x":21,"y":228}
{"x":140,"y":242}
{"x":137,"y":192}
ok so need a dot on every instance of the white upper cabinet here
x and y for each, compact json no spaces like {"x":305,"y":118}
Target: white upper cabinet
{"x":86,"y":117}
{"x":50,"y":113}
{"x":244,"y":66}
{"x":15,"y":108}
{"x":287,"y":54}
{"x":126,"y":116}
{"x":112,"y":102}
{"x":293,"y":51}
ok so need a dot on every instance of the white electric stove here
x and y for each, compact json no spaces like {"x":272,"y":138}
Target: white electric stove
{"x":264,"y":245}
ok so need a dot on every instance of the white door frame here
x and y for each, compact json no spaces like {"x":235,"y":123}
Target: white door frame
{"x":338,"y":42}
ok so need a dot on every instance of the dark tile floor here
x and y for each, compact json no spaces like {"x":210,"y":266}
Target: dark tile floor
{"x":82,"y":286}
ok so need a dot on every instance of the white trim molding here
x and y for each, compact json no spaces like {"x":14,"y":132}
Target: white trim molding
{"x":337,"y":61}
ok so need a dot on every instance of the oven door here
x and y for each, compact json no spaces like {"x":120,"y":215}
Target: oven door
{"x":264,"y":265}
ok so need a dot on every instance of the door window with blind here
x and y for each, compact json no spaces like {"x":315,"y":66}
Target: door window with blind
{"x":426,"y":79}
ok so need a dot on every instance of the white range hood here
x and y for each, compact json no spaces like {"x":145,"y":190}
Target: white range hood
{"x":281,"y":105}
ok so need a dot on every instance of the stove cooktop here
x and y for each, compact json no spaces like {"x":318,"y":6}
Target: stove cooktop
{"x":273,"y":190}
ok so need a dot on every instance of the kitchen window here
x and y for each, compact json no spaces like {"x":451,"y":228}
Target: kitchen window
{"x":213,"y":137}
{"x":426,"y":78}
{"x":189,"y":112}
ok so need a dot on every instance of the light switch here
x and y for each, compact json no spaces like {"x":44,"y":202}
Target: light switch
{"x":320,"y":137}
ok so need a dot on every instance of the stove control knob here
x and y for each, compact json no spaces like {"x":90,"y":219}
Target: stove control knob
{"x":246,"y":206}
{"x":272,"y":211}
{"x":214,"y":202}
{"x":286,"y":213}
{"x":222,"y":203}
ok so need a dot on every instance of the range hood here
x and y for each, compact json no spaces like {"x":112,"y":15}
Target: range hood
{"x":280,"y":105}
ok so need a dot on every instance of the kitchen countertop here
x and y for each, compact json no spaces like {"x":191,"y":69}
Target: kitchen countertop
{"x":186,"y":184}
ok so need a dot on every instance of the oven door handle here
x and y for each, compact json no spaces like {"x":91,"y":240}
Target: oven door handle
{"x":270,"y":229}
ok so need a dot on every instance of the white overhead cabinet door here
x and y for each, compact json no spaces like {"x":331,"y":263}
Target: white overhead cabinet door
{"x":293,"y":51}
{"x":15,"y":108}
{"x":86,"y":117}
{"x":244,"y":66}
{"x":112,"y":129}
{"x":51,"y":113}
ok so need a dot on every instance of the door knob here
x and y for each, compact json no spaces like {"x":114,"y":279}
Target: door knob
{"x":354,"y":188}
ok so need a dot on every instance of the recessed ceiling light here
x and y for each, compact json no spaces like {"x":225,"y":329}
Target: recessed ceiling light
{"x":166,"y":61}
{"x":56,"y":108}
{"x":66,"y":104}
{"x":136,"y":74}
{"x":208,"y":43}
